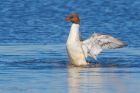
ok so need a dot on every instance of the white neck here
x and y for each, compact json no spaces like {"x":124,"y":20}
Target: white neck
{"x":75,"y":27}
{"x":74,"y":33}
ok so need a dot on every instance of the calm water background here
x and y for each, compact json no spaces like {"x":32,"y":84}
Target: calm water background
{"x":32,"y":46}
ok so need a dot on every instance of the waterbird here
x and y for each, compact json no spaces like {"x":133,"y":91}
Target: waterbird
{"x":78,"y":50}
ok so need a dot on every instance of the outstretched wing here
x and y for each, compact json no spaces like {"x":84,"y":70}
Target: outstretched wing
{"x":96,"y":42}
{"x":106,"y":41}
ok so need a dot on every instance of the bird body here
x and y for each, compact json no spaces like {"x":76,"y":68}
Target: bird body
{"x":79,"y":50}
{"x":74,"y":47}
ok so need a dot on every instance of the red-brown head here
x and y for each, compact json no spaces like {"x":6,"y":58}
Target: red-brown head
{"x":74,"y":18}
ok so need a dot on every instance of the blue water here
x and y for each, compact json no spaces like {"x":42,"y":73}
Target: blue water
{"x":33,"y":57}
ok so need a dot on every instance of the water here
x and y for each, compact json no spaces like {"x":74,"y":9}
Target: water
{"x":33,"y":57}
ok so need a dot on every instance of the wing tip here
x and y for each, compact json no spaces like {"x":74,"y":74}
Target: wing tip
{"x":124,"y":44}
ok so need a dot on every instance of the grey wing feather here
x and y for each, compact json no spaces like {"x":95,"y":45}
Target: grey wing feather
{"x":96,"y":42}
{"x":107,"y":41}
{"x":90,"y":49}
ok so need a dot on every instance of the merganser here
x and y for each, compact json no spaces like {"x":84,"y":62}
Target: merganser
{"x":79,"y":50}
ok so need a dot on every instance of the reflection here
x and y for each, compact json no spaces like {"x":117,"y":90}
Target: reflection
{"x":84,"y":80}
{"x":79,"y":79}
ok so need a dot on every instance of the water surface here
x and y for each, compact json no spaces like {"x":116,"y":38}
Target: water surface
{"x":33,"y":57}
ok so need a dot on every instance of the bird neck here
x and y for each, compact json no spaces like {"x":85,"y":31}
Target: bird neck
{"x":74,"y":33}
{"x":75,"y":28}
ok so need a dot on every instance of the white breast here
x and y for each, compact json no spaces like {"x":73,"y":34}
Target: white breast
{"x":74,"y":47}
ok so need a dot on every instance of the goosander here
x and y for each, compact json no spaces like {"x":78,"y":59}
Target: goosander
{"x":79,"y":50}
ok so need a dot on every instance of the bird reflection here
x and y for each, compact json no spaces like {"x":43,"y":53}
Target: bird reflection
{"x":94,"y":80}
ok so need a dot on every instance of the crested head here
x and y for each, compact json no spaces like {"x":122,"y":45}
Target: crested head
{"x":74,"y":18}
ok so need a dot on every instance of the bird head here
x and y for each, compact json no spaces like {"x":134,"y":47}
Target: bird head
{"x":74,"y":18}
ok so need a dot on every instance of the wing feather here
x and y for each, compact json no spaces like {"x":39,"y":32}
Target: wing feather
{"x":107,"y":41}
{"x":96,"y":42}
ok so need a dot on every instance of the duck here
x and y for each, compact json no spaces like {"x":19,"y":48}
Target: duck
{"x":79,"y":50}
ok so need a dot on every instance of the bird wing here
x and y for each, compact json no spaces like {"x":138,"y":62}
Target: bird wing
{"x":96,"y":42}
{"x":106,"y":41}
